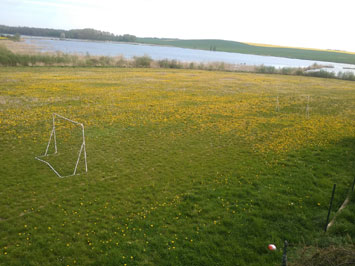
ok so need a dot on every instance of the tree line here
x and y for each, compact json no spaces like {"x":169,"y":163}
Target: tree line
{"x":87,"y":34}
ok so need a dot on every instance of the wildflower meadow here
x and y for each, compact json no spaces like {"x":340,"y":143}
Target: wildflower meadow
{"x":185,"y":167}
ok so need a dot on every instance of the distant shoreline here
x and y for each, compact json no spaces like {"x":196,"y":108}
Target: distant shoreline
{"x":20,"y":53}
{"x":89,"y":34}
{"x":231,"y":47}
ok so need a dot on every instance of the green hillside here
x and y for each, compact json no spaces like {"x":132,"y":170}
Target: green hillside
{"x":243,"y":48}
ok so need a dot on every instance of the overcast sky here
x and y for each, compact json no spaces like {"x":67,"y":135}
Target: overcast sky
{"x":326,"y":24}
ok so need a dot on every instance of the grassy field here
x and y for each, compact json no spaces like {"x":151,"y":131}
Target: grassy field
{"x":245,"y":48}
{"x":185,"y":167}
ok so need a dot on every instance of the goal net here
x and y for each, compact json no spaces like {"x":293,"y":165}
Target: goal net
{"x":66,"y":151}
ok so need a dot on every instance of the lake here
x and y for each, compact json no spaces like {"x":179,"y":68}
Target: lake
{"x":129,"y":50}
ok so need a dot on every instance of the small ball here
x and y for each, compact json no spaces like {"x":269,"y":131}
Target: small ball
{"x":272,"y":247}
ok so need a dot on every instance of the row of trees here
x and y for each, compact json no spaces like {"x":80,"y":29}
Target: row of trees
{"x":87,"y":34}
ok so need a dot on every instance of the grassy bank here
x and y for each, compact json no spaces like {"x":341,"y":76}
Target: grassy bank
{"x":244,"y":48}
{"x":186,"y":167}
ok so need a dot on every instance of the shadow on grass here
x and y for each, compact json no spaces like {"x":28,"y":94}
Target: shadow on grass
{"x":336,"y":246}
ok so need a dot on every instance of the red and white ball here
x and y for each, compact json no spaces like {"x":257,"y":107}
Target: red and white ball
{"x":271,"y":247}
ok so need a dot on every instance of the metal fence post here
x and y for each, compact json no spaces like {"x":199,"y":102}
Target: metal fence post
{"x":284,"y":255}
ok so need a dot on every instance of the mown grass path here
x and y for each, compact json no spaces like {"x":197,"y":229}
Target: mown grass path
{"x":185,"y":167}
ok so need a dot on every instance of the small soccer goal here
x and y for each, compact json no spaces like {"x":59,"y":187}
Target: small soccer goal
{"x":69,"y":148}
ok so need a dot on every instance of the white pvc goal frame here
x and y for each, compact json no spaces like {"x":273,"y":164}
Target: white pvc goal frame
{"x":53,"y":137}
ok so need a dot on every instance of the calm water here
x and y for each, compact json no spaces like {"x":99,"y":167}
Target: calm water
{"x":180,"y":54}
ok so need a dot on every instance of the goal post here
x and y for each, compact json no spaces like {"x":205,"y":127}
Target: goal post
{"x":53,"y":139}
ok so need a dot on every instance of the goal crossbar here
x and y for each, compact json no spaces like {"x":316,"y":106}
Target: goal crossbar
{"x":54,"y":138}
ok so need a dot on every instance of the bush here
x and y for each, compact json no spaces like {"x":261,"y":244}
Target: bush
{"x":347,"y":76}
{"x":165,"y":63}
{"x":7,"y":58}
{"x":299,"y":72}
{"x":286,"y":71}
{"x":266,"y":69}
{"x":15,"y":38}
{"x":321,"y":74}
{"x":142,"y":61}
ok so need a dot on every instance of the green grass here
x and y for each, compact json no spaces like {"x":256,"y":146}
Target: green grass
{"x":243,"y":48}
{"x":185,"y":167}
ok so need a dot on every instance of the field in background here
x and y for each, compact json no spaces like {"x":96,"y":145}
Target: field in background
{"x":292,"y":47}
{"x":245,"y":48}
{"x":186,"y":167}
